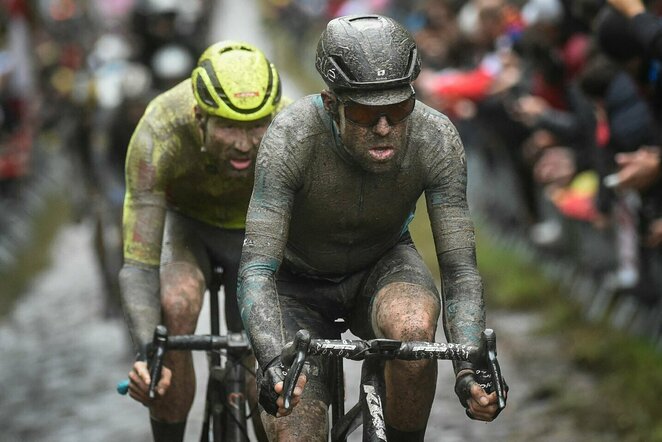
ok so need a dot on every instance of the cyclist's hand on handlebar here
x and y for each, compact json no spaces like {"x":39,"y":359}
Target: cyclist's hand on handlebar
{"x":271,"y":389}
{"x":479,"y":404}
{"x":139,"y":380}
{"x":296,"y":396}
{"x":482,"y":406}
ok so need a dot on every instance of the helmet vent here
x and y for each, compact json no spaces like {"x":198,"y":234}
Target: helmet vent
{"x":342,"y":66}
{"x":411,"y":62}
{"x":235,"y":48}
{"x":204,"y":93}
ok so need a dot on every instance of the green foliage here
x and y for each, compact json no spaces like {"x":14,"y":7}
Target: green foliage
{"x":510,"y":281}
{"x":625,"y":368}
{"x":628,"y":373}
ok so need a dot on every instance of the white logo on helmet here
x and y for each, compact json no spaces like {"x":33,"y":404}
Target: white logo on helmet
{"x":331,"y":73}
{"x":381,"y":72}
{"x":247,"y":94}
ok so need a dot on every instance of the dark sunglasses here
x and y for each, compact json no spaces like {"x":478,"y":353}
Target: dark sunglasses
{"x":365,"y":115}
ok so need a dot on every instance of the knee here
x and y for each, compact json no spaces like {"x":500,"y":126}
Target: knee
{"x":181,"y":299}
{"x":407,"y":312}
{"x":411,"y":326}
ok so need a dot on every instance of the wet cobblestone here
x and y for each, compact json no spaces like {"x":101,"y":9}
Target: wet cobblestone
{"x":61,"y":361}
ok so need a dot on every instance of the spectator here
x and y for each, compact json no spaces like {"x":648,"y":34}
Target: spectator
{"x":629,"y":124}
{"x":646,"y":27}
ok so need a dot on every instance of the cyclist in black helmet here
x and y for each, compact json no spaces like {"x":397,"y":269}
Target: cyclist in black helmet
{"x":337,"y":179}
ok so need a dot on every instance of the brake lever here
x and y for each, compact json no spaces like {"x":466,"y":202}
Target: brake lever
{"x":489,"y":338}
{"x":159,"y":342}
{"x":297,"y":354}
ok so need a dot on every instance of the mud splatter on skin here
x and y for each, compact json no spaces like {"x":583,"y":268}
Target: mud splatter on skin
{"x":357,"y":141}
{"x":181,"y":298}
{"x":183,"y":286}
{"x":408,"y":312}
{"x":308,"y":422}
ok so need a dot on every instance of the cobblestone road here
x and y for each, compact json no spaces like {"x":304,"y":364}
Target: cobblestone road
{"x":60,"y":363}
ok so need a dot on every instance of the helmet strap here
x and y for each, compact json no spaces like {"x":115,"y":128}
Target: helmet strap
{"x":331,"y":104}
{"x":203,"y":147}
{"x":202,"y":118}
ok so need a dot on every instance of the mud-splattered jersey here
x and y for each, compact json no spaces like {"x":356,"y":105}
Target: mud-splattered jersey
{"x":165,"y":168}
{"x":320,"y":214}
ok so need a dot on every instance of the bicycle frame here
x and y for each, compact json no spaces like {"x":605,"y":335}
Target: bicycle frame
{"x":226,"y":385}
{"x":226,"y":400}
{"x":226,"y":397}
{"x":369,"y":410}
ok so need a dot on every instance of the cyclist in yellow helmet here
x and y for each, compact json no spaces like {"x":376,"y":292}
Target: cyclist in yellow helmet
{"x":189,"y":177}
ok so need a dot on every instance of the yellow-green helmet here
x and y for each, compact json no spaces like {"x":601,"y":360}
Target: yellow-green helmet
{"x":234,"y":80}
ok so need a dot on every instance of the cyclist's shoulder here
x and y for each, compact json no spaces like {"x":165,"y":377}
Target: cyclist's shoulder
{"x":168,"y":121}
{"x":429,"y":127}
{"x":172,"y":108}
{"x":302,"y":118}
{"x":430,"y":118}
{"x":283,"y":103}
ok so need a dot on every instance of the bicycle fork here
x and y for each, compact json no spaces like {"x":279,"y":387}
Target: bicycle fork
{"x":368,"y":411}
{"x":372,"y":391}
{"x":232,"y":402}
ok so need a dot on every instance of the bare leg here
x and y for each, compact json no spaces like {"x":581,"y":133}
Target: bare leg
{"x":308,"y":422}
{"x":182,"y":290}
{"x":407,"y":312}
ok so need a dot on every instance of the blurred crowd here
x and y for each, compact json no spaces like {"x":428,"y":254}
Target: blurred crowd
{"x":84,"y":58}
{"x":75,"y":78}
{"x":564,"y":96}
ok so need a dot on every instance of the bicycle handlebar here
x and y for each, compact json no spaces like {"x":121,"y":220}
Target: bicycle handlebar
{"x":484,"y":356}
{"x":161,"y":343}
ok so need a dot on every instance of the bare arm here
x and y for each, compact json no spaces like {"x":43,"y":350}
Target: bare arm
{"x":629,"y":8}
{"x":640,"y":169}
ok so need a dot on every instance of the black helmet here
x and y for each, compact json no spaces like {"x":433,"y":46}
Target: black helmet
{"x":371,"y":58}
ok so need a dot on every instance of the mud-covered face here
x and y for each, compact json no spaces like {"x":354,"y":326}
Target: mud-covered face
{"x":374,"y":136}
{"x":234,"y":143}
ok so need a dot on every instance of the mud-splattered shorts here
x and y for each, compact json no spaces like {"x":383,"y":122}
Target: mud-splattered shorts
{"x":207,"y":247}
{"x":315,"y":304}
